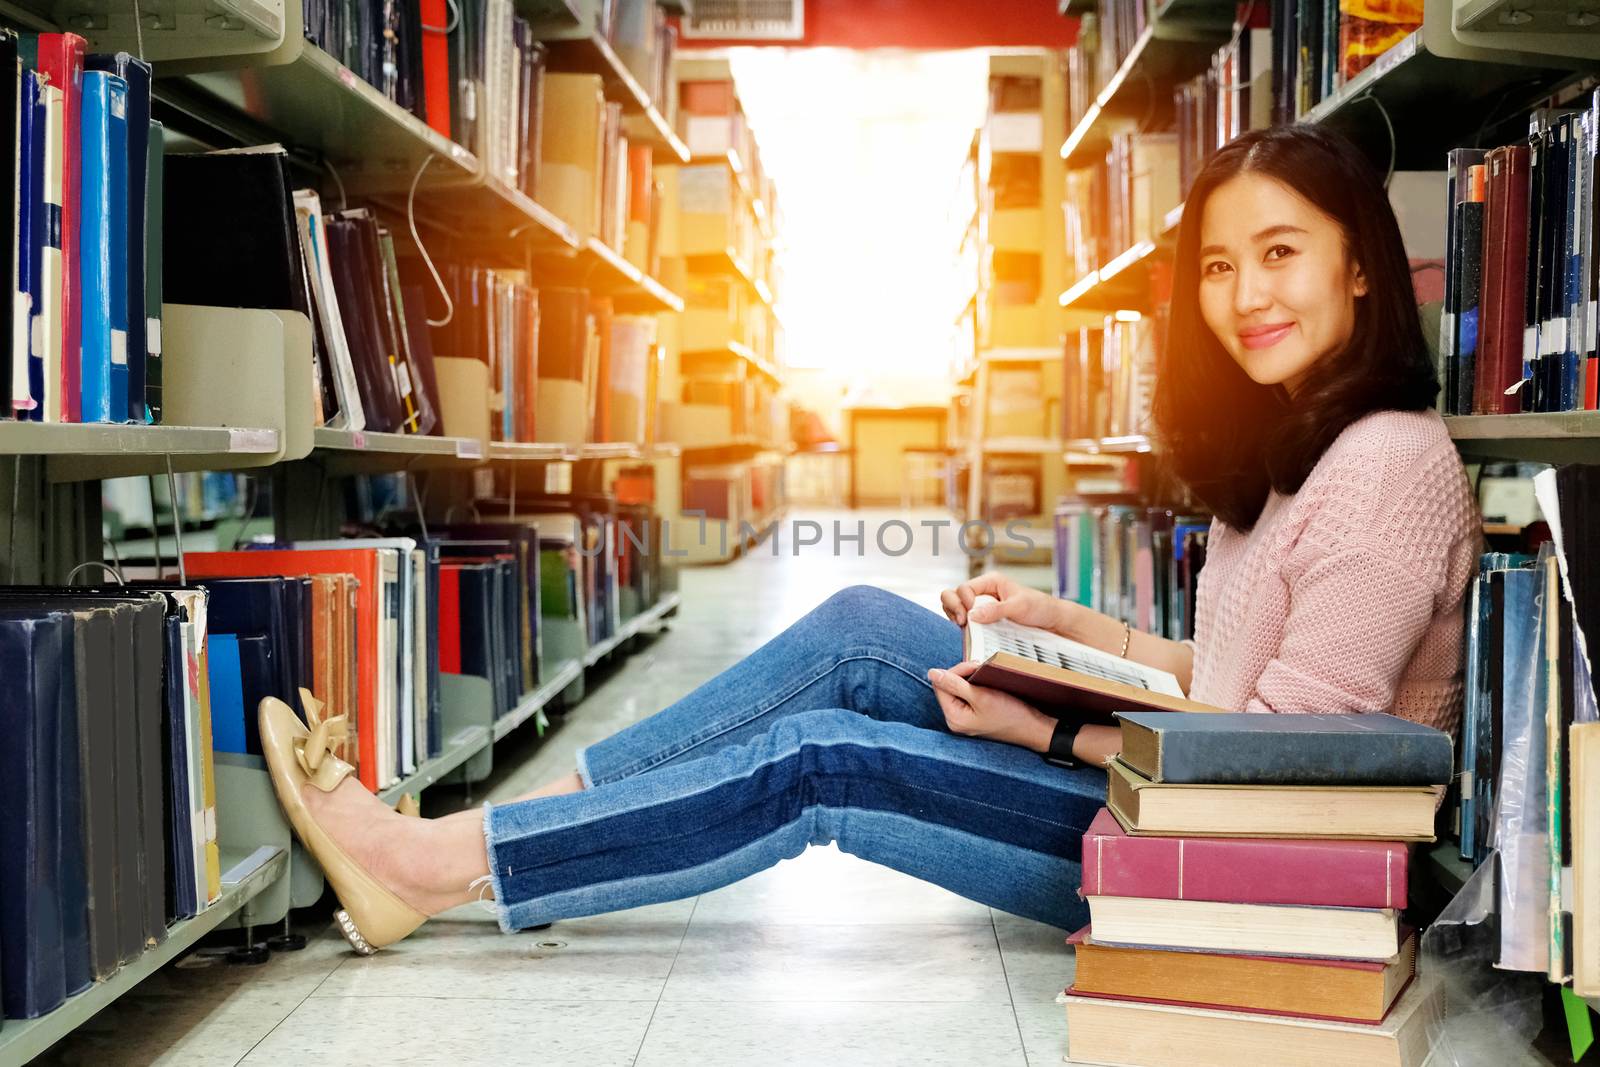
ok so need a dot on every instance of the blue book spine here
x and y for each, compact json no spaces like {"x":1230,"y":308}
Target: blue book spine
{"x":22,"y":369}
{"x":117,"y":164}
{"x":94,"y":246}
{"x":227,"y":693}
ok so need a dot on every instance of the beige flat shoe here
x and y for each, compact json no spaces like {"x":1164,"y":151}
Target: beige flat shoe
{"x":371,"y":916}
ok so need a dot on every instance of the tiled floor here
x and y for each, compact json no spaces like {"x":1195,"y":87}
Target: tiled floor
{"x":821,"y":960}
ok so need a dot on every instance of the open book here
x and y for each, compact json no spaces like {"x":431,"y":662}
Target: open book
{"x":1064,"y":678}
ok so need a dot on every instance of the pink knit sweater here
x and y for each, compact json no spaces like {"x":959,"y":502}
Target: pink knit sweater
{"x":1347,"y":596}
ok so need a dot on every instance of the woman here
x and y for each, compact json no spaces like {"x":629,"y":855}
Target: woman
{"x":1294,"y":399}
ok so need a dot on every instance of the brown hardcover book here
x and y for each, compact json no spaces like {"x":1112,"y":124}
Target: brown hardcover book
{"x":1104,"y":1030}
{"x":1340,"y":990}
{"x":1376,"y":813}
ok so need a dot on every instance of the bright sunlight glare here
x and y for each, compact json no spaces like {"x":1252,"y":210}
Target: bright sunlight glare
{"x":866,"y":149}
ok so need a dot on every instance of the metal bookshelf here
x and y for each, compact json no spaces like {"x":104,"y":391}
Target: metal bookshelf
{"x":23,"y":1039}
{"x":643,"y":122}
{"x":460,"y":748}
{"x":565,"y":673}
{"x":77,"y":445}
{"x":638,"y":624}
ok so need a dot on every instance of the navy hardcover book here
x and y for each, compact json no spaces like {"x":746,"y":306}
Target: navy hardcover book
{"x":1234,"y":748}
{"x":33,"y":966}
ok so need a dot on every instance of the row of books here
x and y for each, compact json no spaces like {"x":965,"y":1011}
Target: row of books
{"x":1319,"y":45}
{"x":107,"y":792}
{"x":1232,"y":95}
{"x":1530,"y":739}
{"x":82,"y":333}
{"x":1111,"y":207}
{"x":1522,"y":278}
{"x":1139,"y":565}
{"x":501,"y":359}
{"x":1105,"y":37}
{"x":1245,"y":886}
{"x":1110,"y":375}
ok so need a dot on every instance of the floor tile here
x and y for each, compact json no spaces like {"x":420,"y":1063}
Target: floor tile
{"x":622,"y":956}
{"x":417,"y":1031}
{"x":826,"y":886}
{"x":832,"y":1034}
{"x":762,"y":962}
{"x":147,"y":1031}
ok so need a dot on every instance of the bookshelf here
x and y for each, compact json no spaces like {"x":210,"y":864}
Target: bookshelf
{"x":1437,"y":88}
{"x":239,"y":388}
{"x":721,"y":385}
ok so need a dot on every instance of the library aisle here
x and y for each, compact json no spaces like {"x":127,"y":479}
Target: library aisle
{"x":876,"y":967}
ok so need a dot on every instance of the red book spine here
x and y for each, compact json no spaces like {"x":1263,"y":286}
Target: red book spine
{"x":1327,"y":874}
{"x":61,"y":60}
{"x":449,"y":620}
{"x":436,"y":66}
{"x":1513,"y":281}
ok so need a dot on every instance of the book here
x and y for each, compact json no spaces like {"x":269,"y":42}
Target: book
{"x":1328,"y":873}
{"x":1063,"y":677}
{"x":27,"y":370}
{"x":1339,"y":990}
{"x":1585,"y":759}
{"x":1269,"y":929}
{"x":50,"y":137}
{"x":1382,"y":813}
{"x":1370,"y":748}
{"x":102,"y":296}
{"x":61,"y":62}
{"x":10,"y":136}
{"x":155,"y":168}
{"x":1505,"y":271}
{"x":131,"y":251}
{"x":1101,"y":1030}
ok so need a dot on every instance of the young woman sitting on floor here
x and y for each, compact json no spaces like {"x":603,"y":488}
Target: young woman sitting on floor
{"x":1294,"y":398}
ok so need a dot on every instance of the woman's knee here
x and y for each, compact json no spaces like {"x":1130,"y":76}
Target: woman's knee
{"x":862,"y":608}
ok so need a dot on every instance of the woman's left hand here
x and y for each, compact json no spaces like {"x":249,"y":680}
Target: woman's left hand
{"x":978,"y":711}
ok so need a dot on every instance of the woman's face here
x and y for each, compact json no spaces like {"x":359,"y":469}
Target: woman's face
{"x":1277,"y":286}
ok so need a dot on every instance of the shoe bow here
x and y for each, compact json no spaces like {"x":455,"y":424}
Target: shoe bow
{"x":318,"y":752}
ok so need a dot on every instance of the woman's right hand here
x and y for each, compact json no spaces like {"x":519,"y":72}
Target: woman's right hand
{"x":1030,"y":607}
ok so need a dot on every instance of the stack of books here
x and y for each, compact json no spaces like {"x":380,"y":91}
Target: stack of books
{"x":1245,"y":887}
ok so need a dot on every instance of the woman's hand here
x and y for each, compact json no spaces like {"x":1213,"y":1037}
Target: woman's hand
{"x":1029,"y":607}
{"x":978,"y":711}
{"x":1017,"y":603}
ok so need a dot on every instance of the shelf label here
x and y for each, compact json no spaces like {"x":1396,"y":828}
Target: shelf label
{"x":347,"y":77}
{"x":469,"y":448}
{"x":358,"y":439}
{"x":247,"y":440}
{"x":558,"y":478}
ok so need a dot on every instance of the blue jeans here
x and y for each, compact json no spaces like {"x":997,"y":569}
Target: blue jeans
{"x":829,"y":732}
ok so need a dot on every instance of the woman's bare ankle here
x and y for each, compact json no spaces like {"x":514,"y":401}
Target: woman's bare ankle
{"x":566,"y":784}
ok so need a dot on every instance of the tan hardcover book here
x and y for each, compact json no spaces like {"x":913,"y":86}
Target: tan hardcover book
{"x":208,"y":774}
{"x":1351,"y":990}
{"x":572,"y":153}
{"x":463,"y":396}
{"x":1585,"y":788}
{"x":1065,"y":678}
{"x":1109,"y":1031}
{"x":1376,"y":813}
{"x":1271,"y":929}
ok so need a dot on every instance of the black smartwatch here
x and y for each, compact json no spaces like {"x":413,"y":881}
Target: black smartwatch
{"x":1060,"y":751}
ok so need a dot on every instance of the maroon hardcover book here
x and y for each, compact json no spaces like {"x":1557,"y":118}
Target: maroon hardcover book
{"x":1326,"y":874}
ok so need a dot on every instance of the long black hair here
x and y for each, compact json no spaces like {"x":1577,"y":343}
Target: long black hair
{"x":1232,"y":440}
